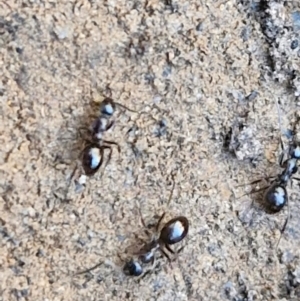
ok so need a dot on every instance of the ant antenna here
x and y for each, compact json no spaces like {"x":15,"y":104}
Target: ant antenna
{"x":124,"y":107}
{"x":253,"y":191}
{"x":90,"y":269}
{"x":146,"y":227}
{"x":279,"y":117}
{"x":283,"y":151}
{"x":284,"y":225}
{"x":173,"y":175}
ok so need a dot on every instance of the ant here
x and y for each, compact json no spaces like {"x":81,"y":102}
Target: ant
{"x":174,"y":231}
{"x":92,"y":155}
{"x":275,"y":195}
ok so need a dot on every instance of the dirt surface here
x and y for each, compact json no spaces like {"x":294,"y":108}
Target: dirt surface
{"x":204,"y":77}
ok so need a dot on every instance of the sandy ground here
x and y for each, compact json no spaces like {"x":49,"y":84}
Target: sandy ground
{"x":211,"y":73}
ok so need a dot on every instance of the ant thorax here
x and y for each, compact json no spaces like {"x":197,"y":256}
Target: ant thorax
{"x":290,"y":169}
{"x":99,"y":127}
{"x":148,"y":250}
{"x":147,"y":257}
{"x":295,"y":151}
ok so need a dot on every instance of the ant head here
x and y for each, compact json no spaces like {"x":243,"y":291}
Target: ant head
{"x":132,"y":268}
{"x":107,"y":107}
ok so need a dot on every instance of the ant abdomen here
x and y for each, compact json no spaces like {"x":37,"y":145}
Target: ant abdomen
{"x":91,"y":159}
{"x":275,"y":198}
{"x":175,"y":230}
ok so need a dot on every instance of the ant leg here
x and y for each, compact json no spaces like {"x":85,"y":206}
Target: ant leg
{"x":109,"y":125}
{"x":109,"y":156}
{"x":142,"y":240}
{"x":284,"y":225}
{"x":142,"y":219}
{"x":253,"y":191}
{"x":176,"y":254}
{"x":282,"y":153}
{"x":90,"y":269}
{"x":257,"y":181}
{"x":159,"y":221}
{"x":124,"y":107}
{"x":297,"y":179}
{"x":180,"y":250}
{"x":169,"y":249}
{"x":112,"y":143}
{"x":144,"y":275}
{"x":173,"y":187}
{"x":165,"y":254}
{"x":83,"y":129}
{"x":70,"y":180}
{"x":143,"y":223}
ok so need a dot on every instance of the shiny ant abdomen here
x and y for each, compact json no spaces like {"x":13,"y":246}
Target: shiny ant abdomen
{"x":174,"y":230}
{"x":275,"y":198}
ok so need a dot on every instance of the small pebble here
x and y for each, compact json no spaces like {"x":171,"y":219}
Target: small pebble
{"x":294,"y":44}
{"x":61,"y":33}
{"x":19,"y":50}
{"x":167,"y":71}
{"x":199,"y":27}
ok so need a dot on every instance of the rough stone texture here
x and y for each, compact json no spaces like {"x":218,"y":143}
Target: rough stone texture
{"x":197,"y":72}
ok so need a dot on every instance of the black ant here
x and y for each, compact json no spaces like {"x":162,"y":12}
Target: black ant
{"x":275,"y":196}
{"x":172,"y":232}
{"x":93,"y":154}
